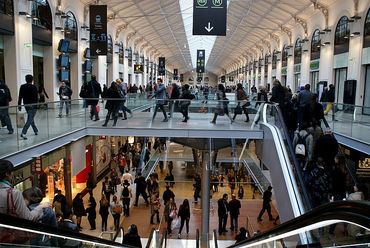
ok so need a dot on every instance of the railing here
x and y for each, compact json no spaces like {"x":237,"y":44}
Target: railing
{"x":151,"y":240}
{"x":249,"y":226}
{"x":163,"y":242}
{"x":197,"y":239}
{"x":351,"y":216}
{"x":215,"y":243}
{"x":118,"y":232}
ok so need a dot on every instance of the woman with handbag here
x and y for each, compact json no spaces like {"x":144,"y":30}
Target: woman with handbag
{"x":170,"y":213}
{"x":116,"y":209}
{"x":222,"y":105}
{"x":243,"y":101}
{"x":103,"y":211}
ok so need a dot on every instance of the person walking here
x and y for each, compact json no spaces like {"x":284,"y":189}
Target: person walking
{"x":160,"y":95}
{"x":93,"y":92}
{"x":65,"y":93}
{"x":125,"y":197}
{"x":184,"y":214}
{"x":266,"y":204}
{"x":330,"y":98}
{"x":170,"y":214}
{"x":123,"y":93}
{"x":223,"y":210}
{"x":167,"y":195}
{"x":91,"y":210}
{"x":79,"y":209}
{"x":278,"y":94}
{"x":107,"y":188}
{"x":222,"y":104}
{"x":234,"y":206}
{"x":140,"y":189}
{"x":28,"y":93}
{"x":242,"y":99}
{"x":116,"y":209}
{"x":5,"y":98}
{"x":197,"y":187}
{"x":113,"y":103}
{"x":103,"y":211}
{"x":186,"y":98}
{"x":174,"y":95}
{"x":304,"y":98}
{"x":127,"y":176}
{"x":155,"y":205}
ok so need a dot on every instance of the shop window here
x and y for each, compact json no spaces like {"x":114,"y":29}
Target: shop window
{"x":315,"y":45}
{"x":6,"y":7}
{"x":298,"y":51}
{"x":341,"y":40}
{"x":274,"y":59}
{"x":70,"y":27}
{"x":42,"y":14}
{"x":121,"y":53}
{"x":284,"y":56}
{"x":367,"y":30}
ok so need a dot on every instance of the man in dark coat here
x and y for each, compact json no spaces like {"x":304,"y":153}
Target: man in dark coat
{"x":174,"y":94}
{"x":234,"y":206}
{"x":223,"y":210}
{"x":278,"y":94}
{"x":140,"y":189}
{"x":167,"y":194}
{"x":326,"y":147}
{"x":93,"y":91}
{"x":132,"y":238}
{"x":266,"y":204}
{"x":5,"y":98}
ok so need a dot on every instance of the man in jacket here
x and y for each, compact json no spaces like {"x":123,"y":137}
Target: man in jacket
{"x":186,"y":95}
{"x":28,"y":93}
{"x":93,"y":91}
{"x":330,"y":98}
{"x":65,"y":93}
{"x":266,"y":204}
{"x":326,"y":147}
{"x":160,"y":95}
{"x":5,"y":98}
{"x":304,"y":99}
{"x":234,"y":206}
{"x":223,"y":210}
{"x":167,"y":194}
{"x":174,"y":94}
{"x":140,"y":189}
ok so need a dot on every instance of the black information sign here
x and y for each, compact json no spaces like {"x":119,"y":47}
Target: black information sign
{"x":175,"y":74}
{"x":199,"y":77}
{"x":162,"y":66}
{"x":181,"y":78}
{"x":200,"y":60}
{"x":209,"y":17}
{"x":98,"y":30}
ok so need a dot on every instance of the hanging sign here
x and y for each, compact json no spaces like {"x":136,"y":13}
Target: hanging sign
{"x":162,"y":66}
{"x":175,"y":74}
{"x":98,"y":30}
{"x":209,"y":17}
{"x":200,"y":60}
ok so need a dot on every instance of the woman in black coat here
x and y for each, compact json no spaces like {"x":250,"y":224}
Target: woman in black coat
{"x":78,"y":209}
{"x":91,"y":210}
{"x":184,"y":214}
{"x":113,"y":104}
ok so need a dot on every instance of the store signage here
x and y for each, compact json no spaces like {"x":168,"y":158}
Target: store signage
{"x":36,"y":166}
{"x":98,"y":30}
{"x":162,"y":66}
{"x":200,"y":60}
{"x":315,"y":65}
{"x":363,"y":169}
{"x":283,"y":71}
{"x":209,"y":17}
{"x":18,"y":177}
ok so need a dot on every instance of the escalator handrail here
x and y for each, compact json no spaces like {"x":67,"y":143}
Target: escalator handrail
{"x":150,"y":238}
{"x":118,"y":232}
{"x":352,"y":211}
{"x":11,"y":222}
{"x":341,"y":153}
{"x":291,"y":151}
{"x":215,"y":238}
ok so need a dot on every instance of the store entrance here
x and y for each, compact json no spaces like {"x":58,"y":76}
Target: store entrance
{"x":38,"y":71}
{"x":314,"y":80}
{"x":340,"y":77}
{"x":366,"y":108}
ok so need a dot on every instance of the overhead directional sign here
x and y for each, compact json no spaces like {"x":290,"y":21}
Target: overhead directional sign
{"x":162,"y":66}
{"x":200,"y":60}
{"x":209,"y":17}
{"x":175,"y":74}
{"x":98,"y":30}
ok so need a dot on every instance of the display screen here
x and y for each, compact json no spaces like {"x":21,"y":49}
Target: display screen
{"x":63,"y":46}
{"x":88,"y":65}
{"x":63,"y":75}
{"x":63,"y":60}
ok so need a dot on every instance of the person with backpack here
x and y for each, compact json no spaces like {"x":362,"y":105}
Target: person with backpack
{"x":5,"y":98}
{"x":222,"y":105}
{"x":65,"y":93}
{"x":303,"y":148}
{"x":116,"y":210}
{"x":125,"y":197}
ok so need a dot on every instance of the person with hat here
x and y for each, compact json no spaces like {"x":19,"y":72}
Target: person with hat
{"x":11,"y":199}
{"x":266,"y":204}
{"x":234,"y":206}
{"x":126,"y":196}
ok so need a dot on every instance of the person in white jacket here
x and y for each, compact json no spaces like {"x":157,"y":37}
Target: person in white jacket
{"x":11,"y":200}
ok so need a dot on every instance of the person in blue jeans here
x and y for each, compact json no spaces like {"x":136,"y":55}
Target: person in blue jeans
{"x":28,"y":93}
{"x":160,"y":95}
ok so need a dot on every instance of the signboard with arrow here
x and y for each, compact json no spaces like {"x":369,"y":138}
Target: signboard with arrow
{"x":98,"y":30}
{"x":209,"y":17}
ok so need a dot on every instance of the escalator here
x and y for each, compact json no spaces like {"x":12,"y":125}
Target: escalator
{"x":338,"y":224}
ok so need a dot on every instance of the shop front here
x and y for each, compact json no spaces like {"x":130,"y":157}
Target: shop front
{"x":314,"y":75}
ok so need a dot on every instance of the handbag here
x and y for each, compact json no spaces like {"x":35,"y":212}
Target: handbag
{"x":238,"y":110}
{"x":173,"y":214}
{"x":21,"y":119}
{"x":13,"y":236}
{"x":117,"y":209}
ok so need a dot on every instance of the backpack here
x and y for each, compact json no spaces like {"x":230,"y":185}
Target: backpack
{"x":125,"y":192}
{"x":4,"y":96}
{"x":300,"y":147}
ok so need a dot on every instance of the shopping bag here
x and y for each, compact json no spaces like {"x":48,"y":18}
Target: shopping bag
{"x":173,"y":214}
{"x":21,"y":119}
{"x":176,"y":224}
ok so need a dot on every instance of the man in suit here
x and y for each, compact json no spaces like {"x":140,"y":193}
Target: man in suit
{"x":223,"y":210}
{"x":93,"y":91}
{"x":234,"y":206}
